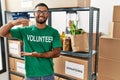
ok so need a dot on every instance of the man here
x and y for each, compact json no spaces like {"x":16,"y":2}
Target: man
{"x":41,"y":44}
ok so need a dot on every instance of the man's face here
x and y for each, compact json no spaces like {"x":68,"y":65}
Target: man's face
{"x":41,"y":14}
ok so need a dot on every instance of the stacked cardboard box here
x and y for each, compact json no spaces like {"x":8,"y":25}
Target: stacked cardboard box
{"x":58,"y":78}
{"x":109,"y":51}
{"x":14,"y":77}
{"x":17,"y":65}
{"x":109,"y":56}
{"x":116,"y":21}
{"x":26,"y":5}
{"x":15,"y":47}
{"x":76,"y":68}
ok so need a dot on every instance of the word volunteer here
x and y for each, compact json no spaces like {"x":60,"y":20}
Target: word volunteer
{"x":34,"y":38}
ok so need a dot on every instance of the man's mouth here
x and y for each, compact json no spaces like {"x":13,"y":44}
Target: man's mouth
{"x":41,"y":17}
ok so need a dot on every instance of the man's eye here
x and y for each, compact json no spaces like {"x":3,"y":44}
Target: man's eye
{"x":39,"y":12}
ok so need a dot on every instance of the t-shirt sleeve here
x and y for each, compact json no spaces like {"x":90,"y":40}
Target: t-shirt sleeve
{"x":16,"y":33}
{"x":56,"y":40}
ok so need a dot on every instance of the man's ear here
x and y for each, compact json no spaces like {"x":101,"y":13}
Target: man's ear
{"x":48,"y":14}
{"x":34,"y":13}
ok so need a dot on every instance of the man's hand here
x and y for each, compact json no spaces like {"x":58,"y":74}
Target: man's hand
{"x":19,"y":21}
{"x":34,"y":54}
{"x":26,"y":54}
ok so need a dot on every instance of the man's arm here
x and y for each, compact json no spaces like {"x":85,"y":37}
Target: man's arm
{"x":5,"y":29}
{"x":51,"y":54}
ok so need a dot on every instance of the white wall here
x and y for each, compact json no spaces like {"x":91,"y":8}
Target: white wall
{"x":106,"y":12}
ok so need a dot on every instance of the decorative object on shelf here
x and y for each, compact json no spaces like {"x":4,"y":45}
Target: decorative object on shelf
{"x":79,"y":38}
{"x":74,"y":28}
{"x":79,"y":43}
{"x":67,"y":44}
{"x":62,"y":35}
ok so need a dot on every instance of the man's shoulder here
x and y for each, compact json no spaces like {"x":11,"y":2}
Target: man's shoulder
{"x":50,"y":27}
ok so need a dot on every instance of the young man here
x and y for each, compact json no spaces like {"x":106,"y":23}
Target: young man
{"x":41,"y":44}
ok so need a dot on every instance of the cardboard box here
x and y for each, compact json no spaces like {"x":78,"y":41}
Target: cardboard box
{"x":104,"y":77}
{"x":108,"y":69}
{"x":19,"y":5}
{"x":73,"y":67}
{"x":19,"y":66}
{"x":58,"y":78}
{"x":109,"y":48}
{"x":116,"y":28}
{"x":12,"y":64}
{"x":116,"y":13}
{"x":15,"y":47}
{"x":113,"y":30}
{"x":94,"y":39}
{"x":15,"y":77}
{"x":26,"y":5}
{"x":59,"y":64}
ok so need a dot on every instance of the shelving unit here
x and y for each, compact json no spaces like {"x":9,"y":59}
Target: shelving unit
{"x":88,"y":55}
{"x":91,"y":76}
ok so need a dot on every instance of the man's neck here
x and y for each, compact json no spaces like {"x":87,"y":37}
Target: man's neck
{"x":40,"y":26}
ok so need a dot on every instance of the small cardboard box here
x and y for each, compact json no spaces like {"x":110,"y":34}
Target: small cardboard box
{"x":58,"y":78}
{"x":113,"y":30}
{"x":67,"y":3}
{"x":109,"y":48}
{"x":116,"y":13}
{"x":15,"y":47}
{"x":116,"y":28}
{"x":12,"y":64}
{"x":20,"y":66}
{"x":94,"y":40}
{"x":76,"y":68}
{"x":17,"y":65}
{"x":15,"y":77}
{"x":109,"y":58}
{"x":26,"y":5}
{"x":108,"y":69}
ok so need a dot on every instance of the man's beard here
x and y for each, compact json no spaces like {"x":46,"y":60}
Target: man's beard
{"x":41,"y":22}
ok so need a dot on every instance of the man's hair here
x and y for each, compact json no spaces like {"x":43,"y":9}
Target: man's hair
{"x":41,"y":4}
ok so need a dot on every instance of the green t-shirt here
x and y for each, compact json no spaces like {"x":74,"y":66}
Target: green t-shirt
{"x":37,"y":40}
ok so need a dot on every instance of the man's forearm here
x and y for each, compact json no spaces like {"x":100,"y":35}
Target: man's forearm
{"x":5,"y":29}
{"x":50,"y":54}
